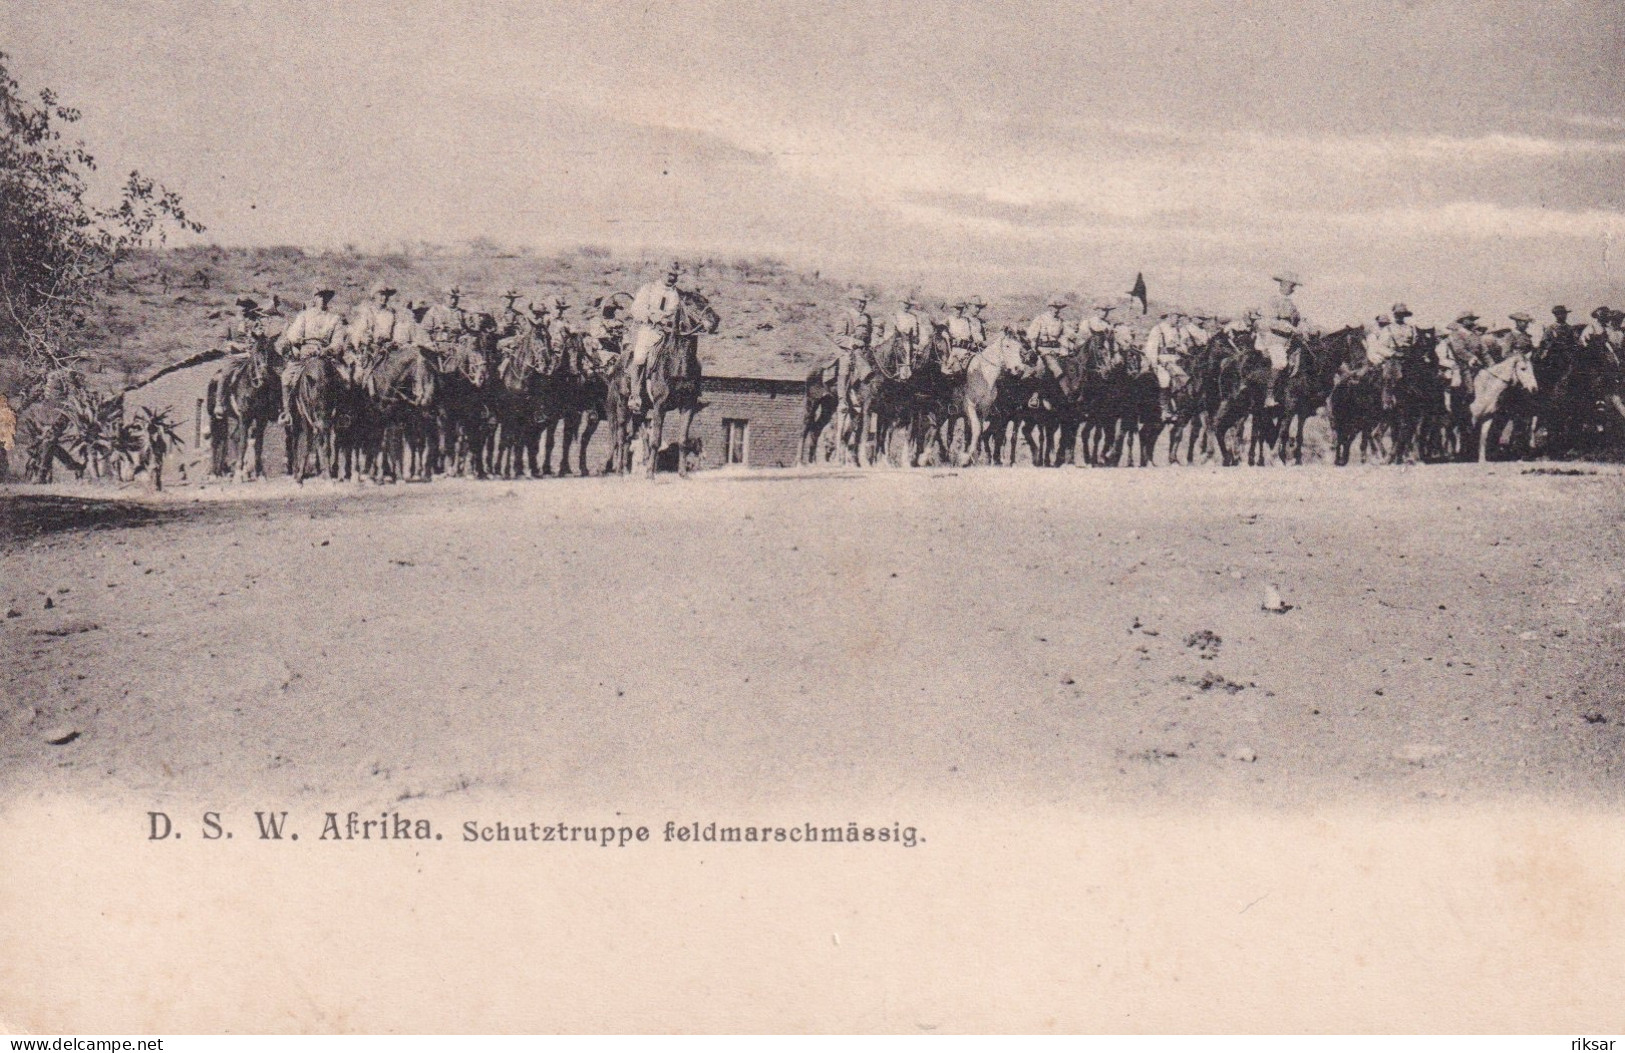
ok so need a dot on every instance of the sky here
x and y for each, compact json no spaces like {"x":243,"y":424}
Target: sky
{"x":1449,"y":154}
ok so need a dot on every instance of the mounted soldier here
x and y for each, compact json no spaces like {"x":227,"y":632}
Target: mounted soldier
{"x":448,"y":322}
{"x":314,"y":331}
{"x":653,"y":309}
{"x":1520,"y":341}
{"x":1046,"y":333}
{"x":911,"y":330}
{"x":967,"y":334}
{"x":855,"y":338}
{"x":248,"y":331}
{"x":511,"y":321}
{"x":1279,"y":328}
{"x":1165,"y":348}
{"x":604,"y":335}
{"x":1097,"y":327}
{"x":1461,"y":353}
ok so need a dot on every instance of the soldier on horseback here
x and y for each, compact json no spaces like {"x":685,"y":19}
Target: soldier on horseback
{"x":855,"y":337}
{"x":1165,"y":347}
{"x":967,"y":334}
{"x":653,"y":310}
{"x":248,"y":331}
{"x":314,"y":331}
{"x":1461,"y":353}
{"x":448,"y":322}
{"x":512,"y":322}
{"x":1046,"y":333}
{"x":911,"y":328}
{"x":1279,"y":329}
{"x":1097,"y":327}
{"x":604,"y":335}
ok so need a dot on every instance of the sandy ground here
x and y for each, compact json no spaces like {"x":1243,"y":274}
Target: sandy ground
{"x":1023,"y":635}
{"x":1143,"y":803}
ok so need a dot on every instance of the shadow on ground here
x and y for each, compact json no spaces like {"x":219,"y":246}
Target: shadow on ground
{"x":28,"y":517}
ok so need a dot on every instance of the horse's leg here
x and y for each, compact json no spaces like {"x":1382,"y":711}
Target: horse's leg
{"x":682,"y":449}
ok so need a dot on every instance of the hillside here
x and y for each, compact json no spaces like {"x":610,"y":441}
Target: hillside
{"x":167,"y":305}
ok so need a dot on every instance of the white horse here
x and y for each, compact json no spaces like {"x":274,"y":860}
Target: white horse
{"x":1004,"y":356}
{"x":1491,"y":388}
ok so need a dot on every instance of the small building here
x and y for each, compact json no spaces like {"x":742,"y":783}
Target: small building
{"x":750,"y":421}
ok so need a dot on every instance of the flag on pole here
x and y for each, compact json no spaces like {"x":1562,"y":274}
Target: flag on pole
{"x":1138,"y":292}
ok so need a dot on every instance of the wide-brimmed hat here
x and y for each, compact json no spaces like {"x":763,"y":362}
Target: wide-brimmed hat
{"x":511,"y":294}
{"x":1383,"y":319}
{"x":559,"y":301}
{"x":249,"y":306}
{"x":383,"y":288}
{"x":453,"y":290}
{"x":1521,"y":316}
{"x":1287,"y":276}
{"x":1560,"y":309}
{"x":1467,"y":316}
{"x":323,"y":291}
{"x":909,"y":299}
{"x":1400,"y":309}
{"x":1056,"y":301}
{"x":1600,"y":313}
{"x":976,"y":301}
{"x":856,"y":295}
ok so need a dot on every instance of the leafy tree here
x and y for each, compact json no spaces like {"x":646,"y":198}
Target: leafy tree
{"x":57,"y":249}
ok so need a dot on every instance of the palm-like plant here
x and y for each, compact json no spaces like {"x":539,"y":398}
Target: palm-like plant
{"x":151,"y":435}
{"x":93,"y":434}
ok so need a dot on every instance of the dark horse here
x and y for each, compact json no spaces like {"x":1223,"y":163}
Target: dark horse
{"x":314,"y":394}
{"x":245,"y":397}
{"x":1312,"y":367}
{"x":526,"y":357}
{"x":1243,"y":391}
{"x":823,"y":397}
{"x":573,"y":394}
{"x":468,"y":384}
{"x":672,"y":377}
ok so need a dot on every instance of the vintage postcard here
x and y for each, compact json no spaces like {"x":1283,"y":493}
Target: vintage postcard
{"x":812,"y":517}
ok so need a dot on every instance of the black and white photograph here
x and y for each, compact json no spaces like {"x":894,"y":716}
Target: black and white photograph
{"x":722,"y":517}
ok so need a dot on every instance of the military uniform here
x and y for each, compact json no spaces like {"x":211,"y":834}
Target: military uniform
{"x":1163,"y":347}
{"x":1559,"y":337}
{"x":603,"y":339}
{"x":1047,"y":332}
{"x":966,"y":336}
{"x":446,"y":323}
{"x":374,"y":325}
{"x":314,"y":331}
{"x":1278,"y":326}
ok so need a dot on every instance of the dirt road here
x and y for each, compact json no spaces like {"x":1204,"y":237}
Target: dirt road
{"x":1045,"y":637}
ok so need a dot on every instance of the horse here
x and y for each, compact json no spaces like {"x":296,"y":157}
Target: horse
{"x":247,"y":398}
{"x":673,"y":376}
{"x":1502,"y":392}
{"x":573,"y":403}
{"x":1244,"y":383}
{"x":1354,"y":410}
{"x":403,"y":383}
{"x":1311,"y":373}
{"x":315,"y":391}
{"x":524,"y":358}
{"x":1414,"y":400}
{"x":468,"y":379}
{"x":882,"y":394}
{"x":822,"y":399}
{"x":985,"y":393}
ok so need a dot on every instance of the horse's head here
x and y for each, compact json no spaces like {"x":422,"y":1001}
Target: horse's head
{"x":696,"y":315}
{"x":1523,"y":373}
